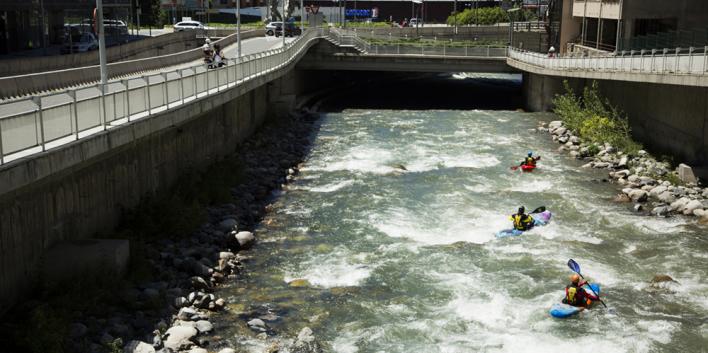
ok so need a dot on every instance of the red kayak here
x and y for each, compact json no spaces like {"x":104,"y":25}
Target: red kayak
{"x":527,"y":168}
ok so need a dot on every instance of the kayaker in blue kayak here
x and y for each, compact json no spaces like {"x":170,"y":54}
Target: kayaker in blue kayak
{"x":575,"y":295}
{"x":521,"y":220}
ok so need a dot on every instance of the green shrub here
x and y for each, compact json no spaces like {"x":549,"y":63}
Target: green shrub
{"x":595,"y":119}
{"x":480,"y":16}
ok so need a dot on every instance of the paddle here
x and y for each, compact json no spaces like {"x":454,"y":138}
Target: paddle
{"x":576,"y":268}
{"x":539,"y":210}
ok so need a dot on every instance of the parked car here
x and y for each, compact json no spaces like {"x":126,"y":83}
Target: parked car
{"x":271,"y":26}
{"x":111,"y":27}
{"x":291,"y":30}
{"x":79,"y":43}
{"x":187,"y":25}
{"x":414,"y":22}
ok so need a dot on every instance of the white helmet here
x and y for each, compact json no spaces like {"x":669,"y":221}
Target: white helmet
{"x":208,"y":41}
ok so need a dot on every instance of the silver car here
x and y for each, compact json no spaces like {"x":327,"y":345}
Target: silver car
{"x":271,"y":26}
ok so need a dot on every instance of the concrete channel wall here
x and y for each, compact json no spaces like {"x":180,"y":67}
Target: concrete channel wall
{"x":18,"y":85}
{"x":668,"y":119}
{"x":76,"y":191}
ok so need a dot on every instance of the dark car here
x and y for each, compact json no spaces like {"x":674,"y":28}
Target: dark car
{"x":291,"y":29}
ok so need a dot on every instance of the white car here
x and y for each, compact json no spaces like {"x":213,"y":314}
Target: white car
{"x":188,"y":25}
{"x":80,"y":43}
{"x":270,"y":27}
{"x":413,"y":22}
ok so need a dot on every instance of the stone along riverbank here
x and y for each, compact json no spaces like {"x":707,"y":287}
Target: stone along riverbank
{"x":168,"y":303}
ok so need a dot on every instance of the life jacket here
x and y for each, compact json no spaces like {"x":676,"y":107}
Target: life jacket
{"x":576,"y":296}
{"x":530,"y":161}
{"x":521,"y":221}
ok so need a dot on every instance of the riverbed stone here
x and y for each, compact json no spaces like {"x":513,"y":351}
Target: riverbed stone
{"x":692,"y":206}
{"x":680,"y":204}
{"x":198,"y":350}
{"x":621,"y":198}
{"x":228,"y":224}
{"x":257,"y":324}
{"x":199,"y":283}
{"x":660,"y":211}
{"x":186,"y":314}
{"x":555,"y":124}
{"x":245,"y":239}
{"x":179,"y":337}
{"x":655,"y":192}
{"x":667,"y":197}
{"x":638,"y":195}
{"x":138,"y":347}
{"x":685,"y":173}
{"x":204,"y":326}
{"x":227,"y":350}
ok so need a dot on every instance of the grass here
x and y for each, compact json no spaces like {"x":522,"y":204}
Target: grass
{"x":594,"y":119}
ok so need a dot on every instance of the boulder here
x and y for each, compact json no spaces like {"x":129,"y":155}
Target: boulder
{"x":655,"y":192}
{"x":227,"y":350}
{"x":245,"y":239}
{"x":198,"y":350}
{"x":204,"y":326}
{"x":555,"y":124}
{"x":622,"y":173}
{"x":306,"y":342}
{"x":621,"y":198}
{"x":186,"y":314}
{"x":680,"y":204}
{"x":623,"y":162}
{"x":660,"y":211}
{"x":138,"y":347}
{"x":179,"y":337}
{"x":638,"y":195}
{"x":638,"y":207}
{"x":666,"y":197}
{"x":700,"y":212}
{"x":692,"y":206}
{"x":228,"y":224}
{"x":257,"y":324}
{"x":685,"y":173}
{"x":559,"y":131}
{"x":199,"y":283}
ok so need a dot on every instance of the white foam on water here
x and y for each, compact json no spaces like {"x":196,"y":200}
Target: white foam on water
{"x":339,"y":268}
{"x":531,"y":186}
{"x":331,"y":187}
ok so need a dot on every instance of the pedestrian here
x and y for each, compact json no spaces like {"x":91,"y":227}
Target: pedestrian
{"x":552,"y":52}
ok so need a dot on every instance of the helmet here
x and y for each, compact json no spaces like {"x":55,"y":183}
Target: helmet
{"x":207,"y":41}
{"x":522,"y":209}
{"x":530,"y":153}
{"x":574,"y":278}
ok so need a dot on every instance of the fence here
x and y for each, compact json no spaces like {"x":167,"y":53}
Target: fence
{"x":678,"y":61}
{"x":38,"y":123}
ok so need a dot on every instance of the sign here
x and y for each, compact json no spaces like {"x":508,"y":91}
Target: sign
{"x":358,"y":13}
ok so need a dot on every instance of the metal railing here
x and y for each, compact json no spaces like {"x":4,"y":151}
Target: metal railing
{"x":37,"y":123}
{"x":442,"y":48}
{"x":679,"y":61}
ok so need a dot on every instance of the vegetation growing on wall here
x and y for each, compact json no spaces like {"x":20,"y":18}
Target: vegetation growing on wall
{"x":594,"y":118}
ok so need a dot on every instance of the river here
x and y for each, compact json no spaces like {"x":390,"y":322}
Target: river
{"x":406,"y":260}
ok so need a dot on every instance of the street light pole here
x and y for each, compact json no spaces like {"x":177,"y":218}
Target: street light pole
{"x":238,"y":27}
{"x":302,"y":16}
{"x":101,"y":42}
{"x":283,"y":24}
{"x":454,"y":14}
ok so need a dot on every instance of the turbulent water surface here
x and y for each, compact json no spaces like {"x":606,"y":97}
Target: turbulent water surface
{"x":406,"y":260}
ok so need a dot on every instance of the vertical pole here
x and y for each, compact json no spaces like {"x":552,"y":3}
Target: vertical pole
{"x":127,"y":99}
{"x":147,"y":93}
{"x":101,"y":43}
{"x":454,"y":13}
{"x":103,"y":102}
{"x":302,"y":15}
{"x":76,"y":112}
{"x":38,"y":102}
{"x":181,"y":85}
{"x":284,"y":20}
{"x":2,"y":155}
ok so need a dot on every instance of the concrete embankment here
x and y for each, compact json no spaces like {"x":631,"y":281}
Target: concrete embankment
{"x":668,"y":119}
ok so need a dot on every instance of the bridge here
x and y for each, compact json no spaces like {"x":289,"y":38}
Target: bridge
{"x":69,"y":156}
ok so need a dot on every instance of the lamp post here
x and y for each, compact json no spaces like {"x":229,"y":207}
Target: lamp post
{"x":101,"y":42}
{"x":282,"y":27}
{"x":511,"y":25}
{"x":454,"y":14}
{"x":238,"y":27}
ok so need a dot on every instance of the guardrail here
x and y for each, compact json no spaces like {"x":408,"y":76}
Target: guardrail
{"x":352,"y":39}
{"x":678,"y":61}
{"x":38,"y":123}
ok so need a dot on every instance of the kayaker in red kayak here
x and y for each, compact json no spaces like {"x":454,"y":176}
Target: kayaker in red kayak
{"x":530,"y":161}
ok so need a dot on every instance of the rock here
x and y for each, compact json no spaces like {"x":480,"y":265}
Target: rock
{"x":306,"y":342}
{"x":228,"y":224}
{"x":226,"y":255}
{"x":227,"y":350}
{"x":663,"y":282}
{"x":299,"y":283}
{"x":680,"y":204}
{"x":700,"y":212}
{"x":77,"y":330}
{"x":559,"y":131}
{"x":638,"y":207}
{"x":257,"y":324}
{"x":621,"y":198}
{"x":638,"y":195}
{"x":662,"y":278}
{"x":703,"y":220}
{"x":555,"y":124}
{"x":563,"y":139}
{"x":219,"y":303}
{"x":575,"y":154}
{"x":600,"y":165}
{"x":138,"y":347}
{"x":204,"y":326}
{"x":622,"y":173}
{"x":199,"y":283}
{"x":705,"y":193}
{"x":685,"y":173}
{"x":623,"y":162}
{"x":692,"y":206}
{"x":180,"y":302}
{"x":660,"y":211}
{"x":186,"y":314}
{"x":179,"y":337}
{"x":245,"y":239}
{"x":655,"y":192}
{"x":633,"y":178}
{"x":198,"y":350}
{"x":587,"y":165}
{"x":641,"y":153}
{"x":574,"y":140}
{"x":666,"y":197}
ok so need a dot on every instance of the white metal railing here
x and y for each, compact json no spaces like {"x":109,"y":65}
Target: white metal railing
{"x":352,"y":39}
{"x":41,"y":122}
{"x":656,"y":61}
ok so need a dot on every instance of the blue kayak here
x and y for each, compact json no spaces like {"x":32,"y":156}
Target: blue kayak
{"x":539,"y":219}
{"x":560,"y":310}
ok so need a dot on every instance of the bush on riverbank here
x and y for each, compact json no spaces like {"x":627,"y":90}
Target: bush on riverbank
{"x":594,"y":118}
{"x":489,"y":16}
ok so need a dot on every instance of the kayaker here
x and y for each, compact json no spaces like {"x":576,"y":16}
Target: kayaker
{"x":521,"y":220}
{"x":575,"y":295}
{"x":530,"y":160}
